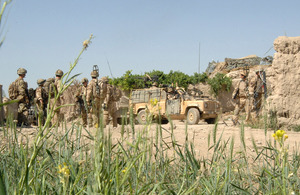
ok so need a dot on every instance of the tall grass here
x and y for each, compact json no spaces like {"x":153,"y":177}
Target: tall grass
{"x":146,"y":159}
{"x":73,"y":160}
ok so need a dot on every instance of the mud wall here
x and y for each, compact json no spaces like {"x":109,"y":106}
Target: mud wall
{"x":285,"y":81}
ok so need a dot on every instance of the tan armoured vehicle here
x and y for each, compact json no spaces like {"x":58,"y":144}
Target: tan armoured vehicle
{"x":173,"y":104}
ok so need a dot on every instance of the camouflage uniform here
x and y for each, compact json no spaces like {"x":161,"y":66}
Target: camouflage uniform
{"x":104,"y":98}
{"x":241,"y":100}
{"x":259,"y":93}
{"x":48,"y":84}
{"x":93,"y":100}
{"x":171,"y":94}
{"x":56,"y":86}
{"x":41,"y":101}
{"x":114,"y":96}
{"x":22,"y":96}
{"x":80,"y":98}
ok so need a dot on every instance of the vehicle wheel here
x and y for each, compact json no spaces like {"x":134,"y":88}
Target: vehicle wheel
{"x":164,"y":121}
{"x":121,"y":120}
{"x":193,"y":116}
{"x":210,"y":120}
{"x":142,"y":117}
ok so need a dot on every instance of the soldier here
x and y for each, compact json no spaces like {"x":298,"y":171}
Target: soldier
{"x":80,"y":99}
{"x":240,"y":94}
{"x":19,"y":90}
{"x":259,"y":91}
{"x":47,"y":85}
{"x":171,"y":94}
{"x":41,"y":100}
{"x":55,"y":88}
{"x":104,"y":98}
{"x":154,"y":85}
{"x":93,"y":100}
{"x":114,"y":96}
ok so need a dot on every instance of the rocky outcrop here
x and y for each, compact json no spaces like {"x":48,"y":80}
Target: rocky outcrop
{"x":285,"y":81}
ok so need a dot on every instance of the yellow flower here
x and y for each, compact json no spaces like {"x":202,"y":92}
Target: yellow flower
{"x":64,"y":169}
{"x":124,"y":170}
{"x":153,"y":102}
{"x":280,"y":135}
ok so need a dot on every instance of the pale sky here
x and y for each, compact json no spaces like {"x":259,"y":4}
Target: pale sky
{"x":139,"y":35}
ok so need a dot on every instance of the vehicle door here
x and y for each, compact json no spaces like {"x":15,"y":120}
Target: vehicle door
{"x":173,"y":106}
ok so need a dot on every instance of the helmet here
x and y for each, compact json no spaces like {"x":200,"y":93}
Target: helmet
{"x":244,"y":73}
{"x":104,"y":79}
{"x":154,"y":84}
{"x":41,"y":81}
{"x":170,"y":89}
{"x":259,"y":70}
{"x":84,"y":80}
{"x":21,"y":71}
{"x":94,"y":73}
{"x":59,"y":73}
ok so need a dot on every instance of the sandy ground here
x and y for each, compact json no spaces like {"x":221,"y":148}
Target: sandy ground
{"x":198,"y":134}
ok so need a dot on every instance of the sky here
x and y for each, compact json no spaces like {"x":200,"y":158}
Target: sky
{"x":137,"y":35}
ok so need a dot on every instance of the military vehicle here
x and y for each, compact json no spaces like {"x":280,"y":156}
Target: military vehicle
{"x":173,"y":104}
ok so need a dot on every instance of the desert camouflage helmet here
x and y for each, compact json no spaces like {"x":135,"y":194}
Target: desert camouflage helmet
{"x":170,"y":89}
{"x":84,"y":80}
{"x":94,"y":73}
{"x":154,"y":84}
{"x":21,"y":71}
{"x":104,"y":79}
{"x":243,"y":72}
{"x":59,"y":73}
{"x":41,"y":81}
{"x":259,"y":70}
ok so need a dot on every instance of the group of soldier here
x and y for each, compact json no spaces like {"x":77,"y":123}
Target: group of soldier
{"x":98,"y":98}
{"x":249,"y":95}
{"x":93,"y":99}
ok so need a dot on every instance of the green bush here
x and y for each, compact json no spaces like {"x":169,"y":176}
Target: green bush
{"x":218,"y":82}
{"x":131,"y":81}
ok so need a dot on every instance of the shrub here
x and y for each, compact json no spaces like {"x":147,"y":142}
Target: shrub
{"x":217,"y":82}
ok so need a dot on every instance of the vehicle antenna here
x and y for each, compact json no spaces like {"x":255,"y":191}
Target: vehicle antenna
{"x":109,"y":67}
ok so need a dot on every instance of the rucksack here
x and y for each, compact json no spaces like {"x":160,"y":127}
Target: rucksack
{"x":13,"y":91}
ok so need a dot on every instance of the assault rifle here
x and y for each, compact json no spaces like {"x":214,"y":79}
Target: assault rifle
{"x":236,"y":94}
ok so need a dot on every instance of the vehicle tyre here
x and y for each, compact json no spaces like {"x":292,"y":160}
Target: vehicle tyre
{"x":210,"y":120}
{"x":193,"y":116}
{"x":120,"y":121}
{"x":164,"y":121}
{"x":142,"y":117}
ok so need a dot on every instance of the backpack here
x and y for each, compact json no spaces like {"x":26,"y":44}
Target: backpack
{"x":13,"y":91}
